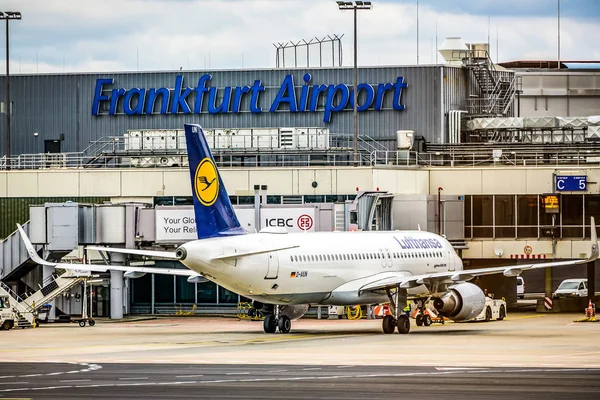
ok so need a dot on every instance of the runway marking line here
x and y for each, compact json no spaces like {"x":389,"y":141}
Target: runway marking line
{"x":133,"y":379}
{"x":526,"y":317}
{"x":572,"y":354}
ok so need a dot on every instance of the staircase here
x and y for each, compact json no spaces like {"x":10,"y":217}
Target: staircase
{"x":25,"y":314}
{"x":25,"y":308}
{"x":498,"y":89}
{"x":54,"y":286}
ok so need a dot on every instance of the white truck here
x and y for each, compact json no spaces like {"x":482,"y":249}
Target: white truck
{"x":7,"y":316}
{"x":494,"y":309}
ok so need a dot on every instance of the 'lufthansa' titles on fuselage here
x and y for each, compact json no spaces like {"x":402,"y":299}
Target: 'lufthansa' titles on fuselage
{"x":203,"y":98}
{"x":408,"y":242}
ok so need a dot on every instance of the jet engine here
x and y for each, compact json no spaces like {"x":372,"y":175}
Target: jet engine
{"x":461,"y":302}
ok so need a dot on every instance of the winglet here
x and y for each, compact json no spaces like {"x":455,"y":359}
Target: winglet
{"x":593,"y":241}
{"x":31,"y":250}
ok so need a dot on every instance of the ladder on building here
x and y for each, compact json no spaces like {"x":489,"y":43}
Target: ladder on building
{"x":26,"y":307}
{"x":497,"y":89}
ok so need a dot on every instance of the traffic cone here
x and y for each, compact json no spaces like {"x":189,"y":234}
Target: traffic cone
{"x":588,"y":311}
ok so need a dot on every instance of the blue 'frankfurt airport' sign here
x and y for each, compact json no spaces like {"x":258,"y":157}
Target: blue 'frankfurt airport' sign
{"x":187,"y":100}
{"x":571,"y":183}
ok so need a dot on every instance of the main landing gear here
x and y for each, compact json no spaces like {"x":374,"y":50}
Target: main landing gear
{"x":397,"y":320}
{"x":276,"y":321}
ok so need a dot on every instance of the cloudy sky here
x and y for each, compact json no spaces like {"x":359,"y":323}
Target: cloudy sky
{"x":129,"y":35}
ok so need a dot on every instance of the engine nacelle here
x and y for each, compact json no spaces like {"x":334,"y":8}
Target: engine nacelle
{"x":295,"y":311}
{"x":461,"y":302}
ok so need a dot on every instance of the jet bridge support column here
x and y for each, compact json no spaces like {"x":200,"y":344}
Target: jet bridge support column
{"x":116,"y":288}
{"x":47,"y":272}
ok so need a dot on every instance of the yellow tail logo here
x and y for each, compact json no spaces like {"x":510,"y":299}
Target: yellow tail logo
{"x":206,"y":182}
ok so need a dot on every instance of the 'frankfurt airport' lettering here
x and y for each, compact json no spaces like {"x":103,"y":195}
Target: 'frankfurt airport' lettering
{"x":200,"y":99}
{"x":408,"y":242}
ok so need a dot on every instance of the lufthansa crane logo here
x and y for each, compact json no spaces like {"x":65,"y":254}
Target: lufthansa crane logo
{"x":206,"y":182}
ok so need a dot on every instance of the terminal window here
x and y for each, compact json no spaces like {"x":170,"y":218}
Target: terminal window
{"x":524,"y":216}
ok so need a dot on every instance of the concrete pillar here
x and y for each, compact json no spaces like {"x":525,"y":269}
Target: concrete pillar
{"x":548,"y":282}
{"x":47,"y":272}
{"x":116,"y":288}
{"x":116,"y":294}
{"x":591,"y":277}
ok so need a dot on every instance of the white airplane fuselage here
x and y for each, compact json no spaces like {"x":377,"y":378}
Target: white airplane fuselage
{"x":323,"y":267}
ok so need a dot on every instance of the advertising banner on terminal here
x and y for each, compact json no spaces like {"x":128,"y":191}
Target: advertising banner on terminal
{"x":179,"y":225}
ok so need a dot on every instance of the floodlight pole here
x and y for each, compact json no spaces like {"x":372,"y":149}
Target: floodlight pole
{"x":8,"y":15}
{"x":355,"y":95}
{"x":357,"y":5}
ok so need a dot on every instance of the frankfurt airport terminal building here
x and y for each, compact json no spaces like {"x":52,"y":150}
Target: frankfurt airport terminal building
{"x":504,"y":160}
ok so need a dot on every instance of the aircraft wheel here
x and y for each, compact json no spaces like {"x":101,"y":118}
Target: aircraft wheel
{"x":502,"y":314}
{"x":82,"y":323}
{"x":403,"y":324}
{"x":389,"y":324}
{"x":488,"y":314}
{"x":270,"y":324}
{"x":426,"y":320}
{"x":419,"y":320}
{"x":91,"y":322}
{"x":284,"y":324}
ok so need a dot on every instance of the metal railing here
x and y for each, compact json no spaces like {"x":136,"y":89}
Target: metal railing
{"x":448,"y":157}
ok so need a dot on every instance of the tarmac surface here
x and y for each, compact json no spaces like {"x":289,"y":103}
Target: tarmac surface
{"x":527,"y":355}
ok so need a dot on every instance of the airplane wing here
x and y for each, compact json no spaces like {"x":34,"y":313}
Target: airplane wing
{"x":150,"y":253}
{"x":404,"y":281}
{"x":102,"y":268}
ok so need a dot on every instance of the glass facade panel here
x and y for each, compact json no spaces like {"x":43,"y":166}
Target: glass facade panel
{"x":227,"y":297}
{"x":207,"y":292}
{"x":314,"y":199}
{"x":468,"y":210}
{"x":504,"y":210}
{"x":479,"y":232}
{"x":527,"y":210}
{"x":483,"y":210}
{"x":571,"y":208}
{"x":505,"y":232}
{"x":273,"y":199}
{"x":527,"y":232}
{"x":572,"y":232}
{"x":185,"y":290}
{"x":183,"y":201}
{"x":163,"y":288}
{"x":592,"y":208}
{"x":245,"y":199}
{"x":141,"y":289}
{"x":335,"y":198}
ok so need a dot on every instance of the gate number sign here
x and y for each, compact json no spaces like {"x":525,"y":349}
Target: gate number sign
{"x":569,"y":183}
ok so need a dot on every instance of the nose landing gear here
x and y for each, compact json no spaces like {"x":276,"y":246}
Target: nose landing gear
{"x":276,"y":321}
{"x":397,"y":319}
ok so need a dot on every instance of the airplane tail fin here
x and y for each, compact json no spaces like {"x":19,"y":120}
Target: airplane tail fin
{"x":215,"y":216}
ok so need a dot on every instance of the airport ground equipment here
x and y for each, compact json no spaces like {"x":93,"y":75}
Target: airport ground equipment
{"x":590,"y":313}
{"x":25,"y":308}
{"x":7,"y":316}
{"x":494,"y":309}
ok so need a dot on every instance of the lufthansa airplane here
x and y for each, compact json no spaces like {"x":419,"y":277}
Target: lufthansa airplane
{"x":284,"y":273}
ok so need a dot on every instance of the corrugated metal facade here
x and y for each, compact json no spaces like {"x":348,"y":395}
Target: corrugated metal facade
{"x":58,"y":104}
